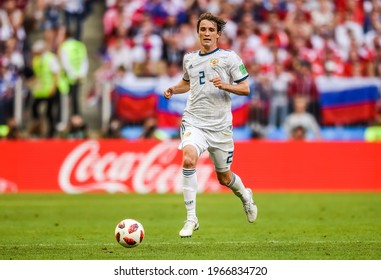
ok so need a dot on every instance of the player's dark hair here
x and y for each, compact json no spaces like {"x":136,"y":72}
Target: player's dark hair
{"x":208,"y":16}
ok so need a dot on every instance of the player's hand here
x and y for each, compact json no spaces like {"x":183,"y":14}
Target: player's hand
{"x":168,"y":93}
{"x":217,"y":82}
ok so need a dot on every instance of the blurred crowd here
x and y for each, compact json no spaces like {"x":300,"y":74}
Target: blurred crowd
{"x":285,"y":45}
{"x":41,"y":75}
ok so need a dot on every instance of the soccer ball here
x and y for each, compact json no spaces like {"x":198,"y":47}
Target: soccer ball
{"x":129,"y":233}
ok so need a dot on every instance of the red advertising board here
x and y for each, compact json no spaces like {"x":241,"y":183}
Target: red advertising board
{"x":74,"y":166}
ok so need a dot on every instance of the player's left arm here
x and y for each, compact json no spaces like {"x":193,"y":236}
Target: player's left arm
{"x":240,"y":88}
{"x":237,"y":72}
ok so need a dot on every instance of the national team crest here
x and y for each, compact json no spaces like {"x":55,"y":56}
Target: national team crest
{"x":187,"y":134}
{"x":214,"y":62}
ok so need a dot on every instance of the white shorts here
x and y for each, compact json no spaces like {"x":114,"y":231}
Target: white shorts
{"x":219,"y":144}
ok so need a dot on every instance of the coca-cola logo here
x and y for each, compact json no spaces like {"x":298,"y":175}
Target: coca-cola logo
{"x":85,"y":169}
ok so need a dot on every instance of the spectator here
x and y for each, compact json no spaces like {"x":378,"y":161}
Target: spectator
{"x":376,"y":62}
{"x":323,"y":15}
{"x":196,"y":6}
{"x":247,"y":40}
{"x":77,"y":128}
{"x":228,"y":12}
{"x":120,"y":17}
{"x":327,"y":49}
{"x":329,"y":54}
{"x":351,"y":9}
{"x":114,"y":129}
{"x":147,"y":51}
{"x":270,"y":53}
{"x":173,"y":50}
{"x":156,"y":11}
{"x":278,"y":96}
{"x":46,"y":70}
{"x":50,"y":14}
{"x":75,"y":16}
{"x":14,"y":56}
{"x":120,"y":53}
{"x":273,"y":27}
{"x":173,"y":73}
{"x":73,"y":56}
{"x":104,"y":74}
{"x":5,"y":25}
{"x":7,"y":87}
{"x":189,"y":39}
{"x":14,"y":19}
{"x":22,"y":4}
{"x":303,"y":83}
{"x":298,"y":133}
{"x":374,"y":25}
{"x":301,"y":50}
{"x":323,"y":37}
{"x":251,"y":7}
{"x":298,"y":20}
{"x":301,"y":118}
{"x":347,"y":31}
{"x":260,"y":91}
{"x":265,"y":8}
{"x":357,"y":64}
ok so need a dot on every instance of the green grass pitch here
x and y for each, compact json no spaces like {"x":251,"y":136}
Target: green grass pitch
{"x":290,"y":226}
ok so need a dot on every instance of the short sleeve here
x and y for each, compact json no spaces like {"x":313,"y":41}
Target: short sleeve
{"x":185,"y":71}
{"x":237,"y":68}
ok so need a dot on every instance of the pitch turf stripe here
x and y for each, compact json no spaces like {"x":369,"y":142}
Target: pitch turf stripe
{"x":261,"y":242}
{"x":181,"y":241}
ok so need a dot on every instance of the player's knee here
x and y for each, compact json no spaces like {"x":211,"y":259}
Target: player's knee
{"x":224,"y":176}
{"x":189,"y":162}
{"x":224,"y":180}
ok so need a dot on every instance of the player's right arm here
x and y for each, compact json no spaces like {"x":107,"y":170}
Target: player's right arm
{"x":182,"y":87}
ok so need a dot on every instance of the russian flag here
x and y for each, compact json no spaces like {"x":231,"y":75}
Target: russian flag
{"x":240,"y":109}
{"x":348,"y":100}
{"x":170,"y":111}
{"x":135,"y":99}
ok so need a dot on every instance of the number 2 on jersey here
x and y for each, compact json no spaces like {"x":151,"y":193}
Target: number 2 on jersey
{"x":201,"y":77}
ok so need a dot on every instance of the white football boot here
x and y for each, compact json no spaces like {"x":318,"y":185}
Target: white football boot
{"x":188,"y":228}
{"x":250,"y":207}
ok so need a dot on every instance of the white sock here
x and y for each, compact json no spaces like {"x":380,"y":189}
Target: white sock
{"x":238,"y":188}
{"x":190,"y":192}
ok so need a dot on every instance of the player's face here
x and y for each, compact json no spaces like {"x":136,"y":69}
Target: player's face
{"x":208,"y":35}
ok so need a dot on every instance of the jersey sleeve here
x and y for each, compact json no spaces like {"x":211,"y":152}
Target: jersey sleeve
{"x":185,"y":67}
{"x":237,"y":68}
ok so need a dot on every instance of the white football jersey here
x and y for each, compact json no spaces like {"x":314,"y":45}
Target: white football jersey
{"x":207,"y":106}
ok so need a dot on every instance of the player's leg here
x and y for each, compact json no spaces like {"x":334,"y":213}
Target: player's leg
{"x":234,"y":182}
{"x":190,"y":157}
{"x":222,"y":159}
{"x":192,"y":145}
